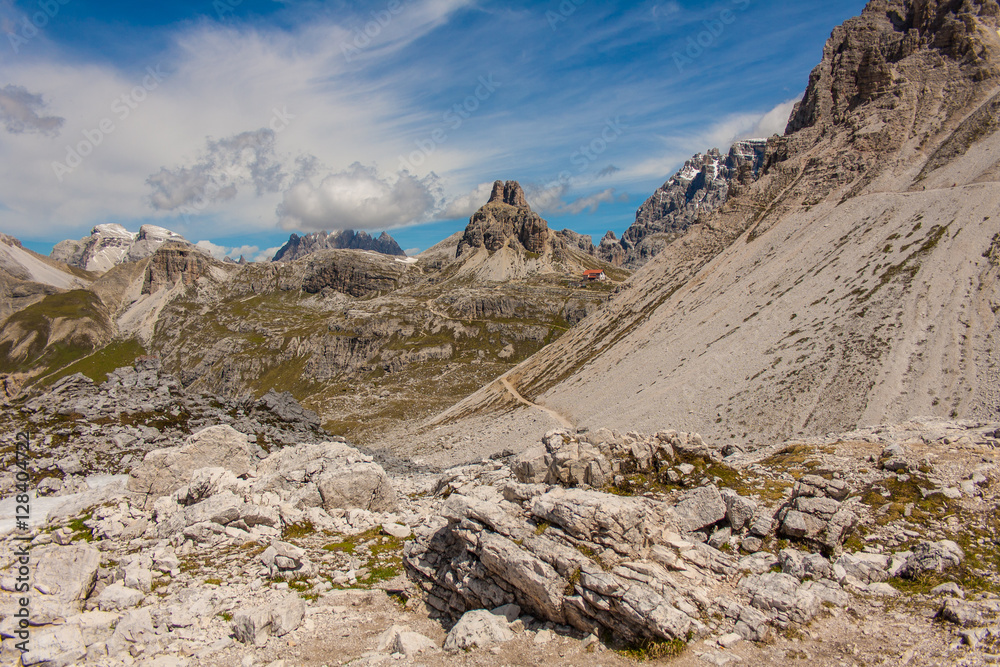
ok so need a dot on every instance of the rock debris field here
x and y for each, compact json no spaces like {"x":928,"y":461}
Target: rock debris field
{"x":227,"y":547}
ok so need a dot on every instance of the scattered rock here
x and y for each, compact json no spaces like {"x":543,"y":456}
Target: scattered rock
{"x":478,"y":628}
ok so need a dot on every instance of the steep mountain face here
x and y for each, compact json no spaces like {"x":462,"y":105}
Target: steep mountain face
{"x":111,"y":244}
{"x":58,"y":329}
{"x":27,"y":277}
{"x":505,"y":240}
{"x":854,"y":282}
{"x":701,"y":186}
{"x":300,"y":246}
{"x":173,"y":263}
{"x":506,"y":218}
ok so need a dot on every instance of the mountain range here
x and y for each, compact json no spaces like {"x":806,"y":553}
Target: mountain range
{"x":335,"y":326}
{"x":774,"y":441}
{"x":790,"y":286}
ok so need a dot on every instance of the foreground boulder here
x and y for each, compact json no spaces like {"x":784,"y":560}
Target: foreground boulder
{"x":482,"y":556}
{"x":933,"y":557}
{"x":63,"y":580}
{"x":255,"y":626}
{"x":815,"y":513}
{"x":562,"y":459}
{"x":331,"y":475}
{"x":163,"y":471}
{"x":479,"y":628}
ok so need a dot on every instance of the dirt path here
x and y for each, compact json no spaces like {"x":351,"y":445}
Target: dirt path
{"x":521,"y":399}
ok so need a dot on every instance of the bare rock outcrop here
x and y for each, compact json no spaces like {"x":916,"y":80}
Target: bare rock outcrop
{"x":507,"y":218}
{"x":173,"y":263}
{"x":352,"y":272}
{"x":163,"y":471}
{"x":859,"y":59}
{"x":702,"y":185}
{"x":331,"y":475}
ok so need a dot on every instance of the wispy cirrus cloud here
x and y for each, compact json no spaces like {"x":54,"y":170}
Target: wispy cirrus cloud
{"x":592,"y":202}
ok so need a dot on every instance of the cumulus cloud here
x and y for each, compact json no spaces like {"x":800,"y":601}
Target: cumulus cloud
{"x":251,"y":252}
{"x":216,"y":251}
{"x":221,"y":252}
{"x":358,"y":198}
{"x":774,"y":121}
{"x":750,"y":126}
{"x":266,"y":254}
{"x":224,"y":168}
{"x":546,"y":197}
{"x":466,"y":205}
{"x":21,"y":110}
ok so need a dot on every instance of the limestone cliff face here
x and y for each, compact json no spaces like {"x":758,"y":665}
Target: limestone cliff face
{"x":174,"y":263}
{"x":353,"y":272}
{"x":860,"y":59}
{"x":505,"y":219}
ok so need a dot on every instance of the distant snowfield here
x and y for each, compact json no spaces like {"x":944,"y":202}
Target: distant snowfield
{"x":408,"y":260}
{"x":42,"y":507}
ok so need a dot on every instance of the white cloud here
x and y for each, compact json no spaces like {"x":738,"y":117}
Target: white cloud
{"x":466,"y":205}
{"x":410,"y":252}
{"x":221,"y":81}
{"x":748,"y":126}
{"x":358,"y":198}
{"x":266,"y":254}
{"x":546,"y":197}
{"x":251,"y":252}
{"x":216,"y":251}
{"x":590,"y":202}
{"x":720,"y":135}
{"x":19,"y":111}
{"x":225,"y":166}
{"x":248,"y":251}
{"x":774,"y":121}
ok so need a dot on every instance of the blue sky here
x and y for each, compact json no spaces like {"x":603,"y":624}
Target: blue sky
{"x":236,"y":122}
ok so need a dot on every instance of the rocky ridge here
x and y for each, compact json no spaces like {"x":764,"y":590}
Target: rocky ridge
{"x":111,"y":244}
{"x":702,"y":185}
{"x":27,"y":277}
{"x":300,"y":246}
{"x":112,"y":425}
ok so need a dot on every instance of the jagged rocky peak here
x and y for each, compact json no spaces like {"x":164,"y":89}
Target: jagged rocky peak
{"x":347,"y":239}
{"x":703,"y":184}
{"x":111,"y":244}
{"x":509,"y":193}
{"x":583,"y":242}
{"x":506,"y":218}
